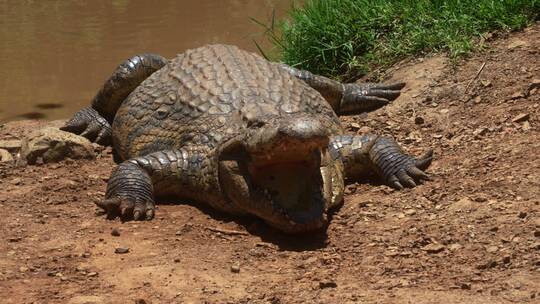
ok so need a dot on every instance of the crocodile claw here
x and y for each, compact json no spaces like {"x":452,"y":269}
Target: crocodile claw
{"x":398,"y":169}
{"x":368,"y":96}
{"x":89,"y":124}
{"x":127,"y":209}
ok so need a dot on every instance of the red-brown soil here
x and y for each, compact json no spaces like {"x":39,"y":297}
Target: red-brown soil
{"x":472,"y":235}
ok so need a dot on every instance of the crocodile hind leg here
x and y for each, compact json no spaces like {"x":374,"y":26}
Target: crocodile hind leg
{"x":349,"y":98}
{"x":382,"y":155}
{"x":131,"y":187}
{"x":94,"y":122}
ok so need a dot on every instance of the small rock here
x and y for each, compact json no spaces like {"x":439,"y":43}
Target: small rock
{"x":521,"y":117}
{"x":454,"y":247}
{"x":23,"y":269}
{"x":517,"y":95}
{"x":355,"y":126}
{"x":487,"y":265}
{"x":480,"y":132}
{"x":444,"y":111}
{"x":433,"y":248}
{"x":522,"y":214}
{"x":410,"y":212}
{"x":5,"y":156}
{"x":140,"y":301}
{"x":11,"y":145}
{"x":485,"y":83}
{"x":506,"y":259}
{"x":465,"y":286}
{"x":477,"y":99}
{"x":492,"y":249}
{"x":177,"y":260}
{"x":92,"y":274}
{"x":53,"y":145}
{"x":535,"y":84}
{"x":419,"y":120}
{"x":121,"y":250}
{"x":327,"y":284}
{"x":235,"y":268}
{"x":526,"y":126}
{"x":516,"y":44}
{"x":115,"y":232}
{"x":365,"y":130}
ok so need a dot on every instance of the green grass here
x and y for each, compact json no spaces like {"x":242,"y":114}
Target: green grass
{"x":346,"y":38}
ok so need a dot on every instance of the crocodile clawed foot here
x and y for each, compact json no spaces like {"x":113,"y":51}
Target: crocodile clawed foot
{"x":89,"y":124}
{"x":398,"y":169}
{"x":127,"y":209}
{"x":368,"y":96}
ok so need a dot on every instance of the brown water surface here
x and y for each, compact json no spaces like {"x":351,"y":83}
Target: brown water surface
{"x":54,"y":55}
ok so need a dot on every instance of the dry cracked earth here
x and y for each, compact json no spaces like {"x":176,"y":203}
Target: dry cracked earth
{"x":471,"y":235}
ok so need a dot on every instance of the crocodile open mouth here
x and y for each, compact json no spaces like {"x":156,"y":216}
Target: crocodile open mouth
{"x":286,"y":186}
{"x":293,"y":184}
{"x":280,"y":173}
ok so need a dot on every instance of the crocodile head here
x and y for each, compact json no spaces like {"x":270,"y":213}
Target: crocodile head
{"x":282,"y":172}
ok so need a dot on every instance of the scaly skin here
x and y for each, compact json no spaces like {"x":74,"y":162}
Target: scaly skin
{"x":225,"y":127}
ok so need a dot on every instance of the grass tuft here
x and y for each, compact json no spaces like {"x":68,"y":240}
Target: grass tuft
{"x":345,"y":38}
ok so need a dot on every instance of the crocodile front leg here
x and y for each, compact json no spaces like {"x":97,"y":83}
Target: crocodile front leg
{"x":135,"y":182}
{"x":349,"y":98}
{"x":362,"y":154}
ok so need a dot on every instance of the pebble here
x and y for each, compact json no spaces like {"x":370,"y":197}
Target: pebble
{"x":11,"y":145}
{"x":480,"y":132}
{"x":454,"y":247}
{"x":235,"y":268}
{"x":521,"y":117}
{"x":419,"y":120}
{"x":517,"y":95}
{"x":492,"y":249}
{"x":92,"y":274}
{"x":115,"y":232}
{"x":410,"y":212}
{"x":486,"y":83}
{"x":465,"y":286}
{"x":327,"y":284}
{"x":5,"y":156}
{"x":121,"y":250}
{"x":535,"y":84}
{"x":433,"y":248}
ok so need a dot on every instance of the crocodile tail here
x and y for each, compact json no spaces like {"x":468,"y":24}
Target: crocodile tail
{"x":123,"y":81}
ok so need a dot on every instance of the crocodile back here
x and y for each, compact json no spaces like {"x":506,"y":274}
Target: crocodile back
{"x":208,"y":95}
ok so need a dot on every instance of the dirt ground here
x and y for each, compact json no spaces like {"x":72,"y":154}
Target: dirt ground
{"x":472,"y":235}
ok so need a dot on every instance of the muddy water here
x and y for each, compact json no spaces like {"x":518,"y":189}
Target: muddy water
{"x":54,"y":55}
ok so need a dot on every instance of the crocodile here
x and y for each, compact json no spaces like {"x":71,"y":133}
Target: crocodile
{"x":225,"y":127}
